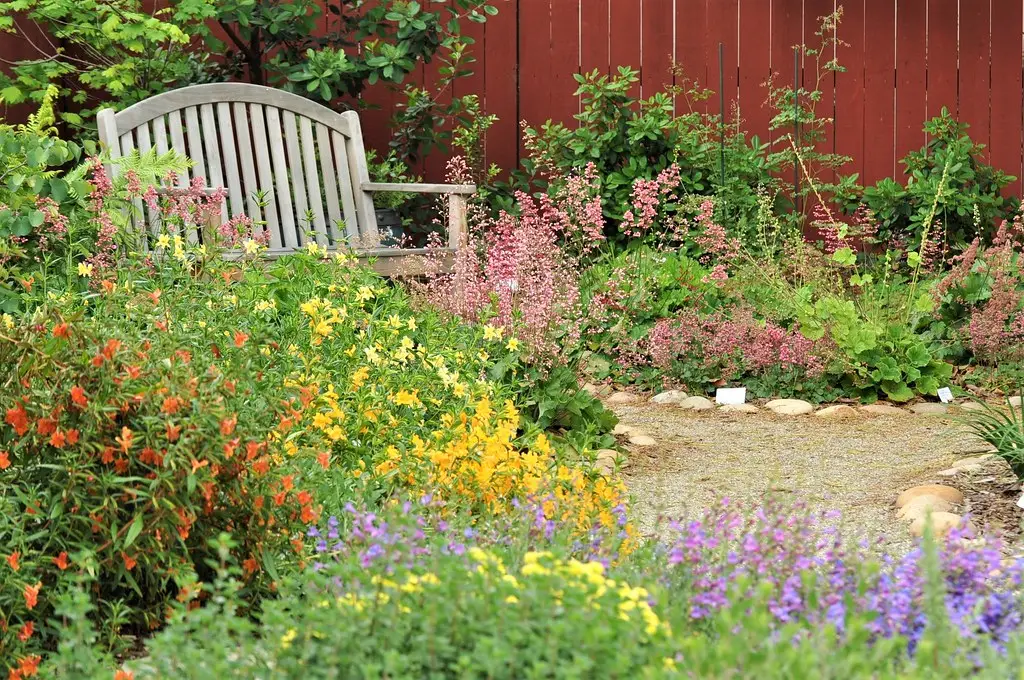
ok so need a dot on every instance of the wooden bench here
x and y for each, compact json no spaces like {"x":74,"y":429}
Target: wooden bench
{"x":306,"y":162}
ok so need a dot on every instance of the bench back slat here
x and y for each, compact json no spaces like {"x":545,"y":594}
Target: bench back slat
{"x":307,"y":161}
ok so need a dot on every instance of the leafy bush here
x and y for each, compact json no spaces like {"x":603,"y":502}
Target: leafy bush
{"x":629,"y":140}
{"x":948,"y":173}
{"x":1003,"y":428}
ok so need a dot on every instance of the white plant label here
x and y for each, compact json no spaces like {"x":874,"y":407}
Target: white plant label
{"x":732,"y":396}
{"x":945,"y":395}
{"x":1020,"y":501}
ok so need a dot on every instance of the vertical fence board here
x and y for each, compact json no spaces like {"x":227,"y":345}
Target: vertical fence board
{"x":691,"y":19}
{"x":817,"y":76}
{"x":880,"y":91}
{"x":657,"y":37}
{"x":1006,"y":149}
{"x":911,"y":76}
{"x":594,"y":36}
{"x":723,"y":28}
{"x":624,"y":35}
{"x":535,"y":65}
{"x":974,"y":77}
{"x":787,"y":33}
{"x":942,"y":57}
{"x":433,"y":164}
{"x":755,"y":67}
{"x":501,"y":85}
{"x":849,"y":125}
{"x":565,"y":59}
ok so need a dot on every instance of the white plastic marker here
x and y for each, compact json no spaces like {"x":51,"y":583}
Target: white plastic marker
{"x":732,"y":396}
{"x":945,"y":395}
{"x":1020,"y":501}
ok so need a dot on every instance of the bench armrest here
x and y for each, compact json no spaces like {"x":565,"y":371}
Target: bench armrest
{"x":420,"y":188}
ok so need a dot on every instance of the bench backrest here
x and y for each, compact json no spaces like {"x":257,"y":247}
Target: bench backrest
{"x":304,"y":158}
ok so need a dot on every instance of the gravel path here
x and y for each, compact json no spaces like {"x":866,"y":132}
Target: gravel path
{"x":856,"y":466}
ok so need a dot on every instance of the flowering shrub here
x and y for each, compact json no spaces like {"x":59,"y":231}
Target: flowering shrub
{"x":125,"y":445}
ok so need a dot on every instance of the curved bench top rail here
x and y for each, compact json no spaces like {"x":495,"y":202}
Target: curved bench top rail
{"x":216,"y":93}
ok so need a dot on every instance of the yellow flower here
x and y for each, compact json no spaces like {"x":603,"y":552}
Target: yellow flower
{"x":251,"y":246}
{"x":313,"y":249}
{"x":459,"y":389}
{"x":406,"y":398}
{"x":512,"y":345}
{"x":360,"y":376}
{"x":287,"y":638}
{"x":8,"y":321}
{"x":163,"y":241}
{"x":492,"y":332}
{"x":411,"y":323}
{"x":84,"y":269}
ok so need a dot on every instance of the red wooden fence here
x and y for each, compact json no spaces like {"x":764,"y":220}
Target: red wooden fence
{"x":906,"y":59}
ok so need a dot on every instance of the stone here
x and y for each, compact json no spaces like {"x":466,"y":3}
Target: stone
{"x":1015,"y":400}
{"x":696,"y":404}
{"x":837,"y":411}
{"x":941,"y":523}
{"x":946,"y":493}
{"x":930,"y":409}
{"x":921,"y":506}
{"x":790,"y":407}
{"x":605,"y":461}
{"x":883,"y":410}
{"x":972,"y":406}
{"x":669,"y":397}
{"x":596,"y":391}
{"x":622,"y":429}
{"x":623,"y":398}
{"x":642,"y":440}
{"x":954,"y":471}
{"x":739,"y":408}
{"x":973,"y":461}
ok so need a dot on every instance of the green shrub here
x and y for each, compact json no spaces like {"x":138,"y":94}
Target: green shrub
{"x":1003,"y":428}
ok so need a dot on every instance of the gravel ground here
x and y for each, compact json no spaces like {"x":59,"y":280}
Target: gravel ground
{"x":857,"y":466}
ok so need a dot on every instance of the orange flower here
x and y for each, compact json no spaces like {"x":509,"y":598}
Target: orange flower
{"x":27,"y":667}
{"x":250,"y":565}
{"x":58,"y":440}
{"x":111,"y":348}
{"x":26,"y":631}
{"x":46,"y":426}
{"x":279,"y":498}
{"x":125,"y":440}
{"x":171,"y":405}
{"x":288,"y":482}
{"x":240,"y":338}
{"x":229,"y":448}
{"x":78,"y":396}
{"x":308,"y":515}
{"x":5,"y":460}
{"x":108,"y":455}
{"x":173,"y":432}
{"x":304,"y":497}
{"x":155,"y":296}
{"x":129,"y":562}
{"x":18,"y":419}
{"x":97,"y":360}
{"x":12,"y":560}
{"x":121,"y":465}
{"x":252,"y":449}
{"x":31,"y":594}
{"x":196,"y":465}
{"x":72,"y":436}
{"x":108,"y":286}
{"x":261,"y":466}
{"x":61,"y":331}
{"x":324,"y":459}
{"x":122,"y":674}
{"x":61,"y":561}
{"x":227,"y":425}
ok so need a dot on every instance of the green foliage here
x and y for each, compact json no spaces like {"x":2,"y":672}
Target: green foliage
{"x":629,"y":139}
{"x":93,"y":51}
{"x":1003,"y":428}
{"x":950,"y":173}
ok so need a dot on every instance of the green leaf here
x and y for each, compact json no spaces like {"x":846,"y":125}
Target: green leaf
{"x":133,"y":531}
{"x":897,"y":391}
{"x":845,"y":256}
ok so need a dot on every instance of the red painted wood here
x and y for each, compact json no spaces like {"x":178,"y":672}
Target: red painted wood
{"x":723,"y":27}
{"x":942,"y":57}
{"x":624,"y":37}
{"x":535,"y":67}
{"x":691,"y":23}
{"x":975,"y":78}
{"x":657,"y":31}
{"x":436,"y":160}
{"x":594,"y":38}
{"x":501,"y":82}
{"x":755,"y":67}
{"x":817,"y":76}
{"x":911,"y":76}
{"x":565,"y":60}
{"x":1006,"y":93}
{"x":787,"y":32}
{"x":880,"y":91}
{"x":849,"y":125}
